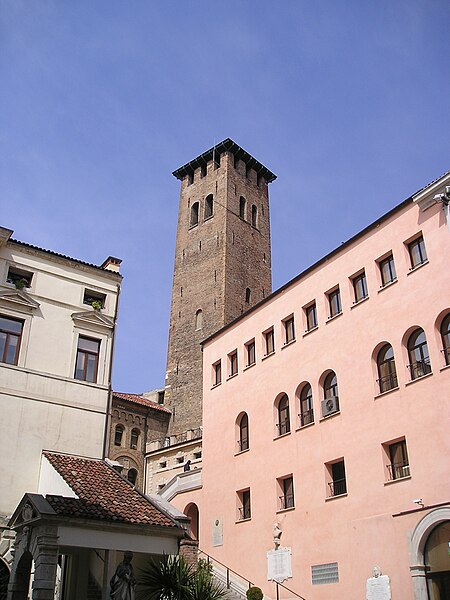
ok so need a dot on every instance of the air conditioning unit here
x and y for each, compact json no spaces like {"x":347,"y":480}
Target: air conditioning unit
{"x":330,"y":406}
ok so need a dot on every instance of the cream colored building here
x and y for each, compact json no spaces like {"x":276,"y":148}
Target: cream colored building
{"x":57,"y":325}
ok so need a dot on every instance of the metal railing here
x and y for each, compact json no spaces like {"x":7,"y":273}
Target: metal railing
{"x":307,"y":417}
{"x":286,"y":501}
{"x":419,"y":368}
{"x":388,"y":382}
{"x":244,"y":512}
{"x":243,"y":444}
{"x":284,"y":427}
{"x":446,"y":353}
{"x":235,"y":581}
{"x":338,"y":487}
{"x":398,"y":470}
{"x":185,"y":436}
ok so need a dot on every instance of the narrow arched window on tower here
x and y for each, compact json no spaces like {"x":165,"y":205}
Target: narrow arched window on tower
{"x":254,"y":216}
{"x":209,"y":206}
{"x":247,"y":295}
{"x":198,"y":319}
{"x":242,"y":205}
{"x":194,"y":214}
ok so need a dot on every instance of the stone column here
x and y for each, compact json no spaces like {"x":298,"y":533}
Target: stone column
{"x":45,"y":550}
{"x":189,"y":550}
{"x":19,"y":580}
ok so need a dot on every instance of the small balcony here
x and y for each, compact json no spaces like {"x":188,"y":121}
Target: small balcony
{"x":388,"y":382}
{"x":286,"y":501}
{"x":337,"y":487}
{"x":306,"y":417}
{"x":398,"y":470}
{"x":420,"y":368}
{"x":284,"y":427}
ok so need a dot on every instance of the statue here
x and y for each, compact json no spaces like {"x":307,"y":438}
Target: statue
{"x":277,"y":531}
{"x":123,"y":581}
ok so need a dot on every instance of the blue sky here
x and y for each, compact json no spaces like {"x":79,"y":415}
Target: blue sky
{"x":347,"y":102}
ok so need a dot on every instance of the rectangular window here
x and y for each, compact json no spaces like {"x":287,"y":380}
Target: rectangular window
{"x":311,"y":317}
{"x":360,"y":287}
{"x":398,"y":466}
{"x":87,"y":359}
{"x":417,"y":252}
{"x":244,"y":508}
{"x":327,"y":573}
{"x":387,"y":270}
{"x":337,"y":484}
{"x":269,"y":341}
{"x":19,"y":278}
{"x":233,"y":363}
{"x":217,"y":372}
{"x":286,"y":489}
{"x":251,"y":354}
{"x":94,"y":299}
{"x":289,"y":330}
{"x":10,"y":336}
{"x":334,"y":302}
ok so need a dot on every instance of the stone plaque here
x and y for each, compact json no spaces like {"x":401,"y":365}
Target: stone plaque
{"x":217,"y":533}
{"x":279,"y":566}
{"x":378,"y":588}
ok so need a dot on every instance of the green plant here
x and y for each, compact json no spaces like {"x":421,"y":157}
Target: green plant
{"x":96,"y":304}
{"x":172,"y":578}
{"x":20,"y":283}
{"x":254,"y":593}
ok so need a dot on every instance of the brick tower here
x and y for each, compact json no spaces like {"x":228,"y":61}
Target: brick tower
{"x":222,"y":264}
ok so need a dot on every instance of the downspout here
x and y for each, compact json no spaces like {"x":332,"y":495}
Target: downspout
{"x":107,"y":432}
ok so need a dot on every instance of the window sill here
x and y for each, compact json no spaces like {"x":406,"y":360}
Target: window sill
{"x":288,"y":343}
{"x":391,"y":481}
{"x":232,"y":376}
{"x":414,"y":269}
{"x":305,"y":426}
{"x":308,"y":331}
{"x":284,"y":510}
{"x":268,"y":355}
{"x":243,"y":520}
{"x":419,"y":378}
{"x":249,"y":367}
{"x":386,"y":285}
{"x":355,"y":304}
{"x":333,"y":317}
{"x":242,"y":452}
{"x":338,"y":412}
{"x":207,"y":218}
{"x":336,"y":497}
{"x":216,"y":385}
{"x":277,"y":437}
{"x":444,"y":368}
{"x":394,"y":389}
{"x":192,"y":226}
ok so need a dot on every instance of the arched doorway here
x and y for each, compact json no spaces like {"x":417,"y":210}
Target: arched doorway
{"x":428,"y":544}
{"x":437,"y":561}
{"x":191,"y":511}
{"x":4,"y":579}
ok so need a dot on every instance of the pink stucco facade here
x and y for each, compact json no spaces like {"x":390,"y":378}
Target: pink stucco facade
{"x":393,"y":446}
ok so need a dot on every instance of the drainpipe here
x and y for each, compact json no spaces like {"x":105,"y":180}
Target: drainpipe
{"x":107,"y":432}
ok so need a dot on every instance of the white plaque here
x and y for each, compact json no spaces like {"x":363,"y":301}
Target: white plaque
{"x":378,"y":588}
{"x":217,"y":533}
{"x":279,"y":566}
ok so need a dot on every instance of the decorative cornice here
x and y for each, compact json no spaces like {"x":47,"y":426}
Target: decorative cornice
{"x":93,"y":317}
{"x":18,"y":298}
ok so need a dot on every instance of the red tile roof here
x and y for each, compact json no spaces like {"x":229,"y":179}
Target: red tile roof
{"x":138,"y":399}
{"x":102,"y":493}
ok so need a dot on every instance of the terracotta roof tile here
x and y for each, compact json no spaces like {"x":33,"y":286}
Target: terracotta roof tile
{"x":138,"y":399}
{"x":102,"y":493}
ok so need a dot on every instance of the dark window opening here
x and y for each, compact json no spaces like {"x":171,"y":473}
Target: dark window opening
{"x":417,"y":252}
{"x":311,"y":317}
{"x":445,"y":336}
{"x":244,"y":509}
{"x":94,"y":299}
{"x":387,"y":374}
{"x":360,"y":287}
{"x":118,"y":434}
{"x":284,"y":424}
{"x":306,"y":406}
{"x":233,"y":363}
{"x":399,"y":461}
{"x":10,"y":338}
{"x":418,"y":354}
{"x":87,"y":359}
{"x":132,"y":476}
{"x":387,"y":270}
{"x":242,"y":207}
{"x":247,"y":296}
{"x":334,"y":303}
{"x":254,"y":216}
{"x":209,"y":206}
{"x":269,"y":342}
{"x":289,"y":330}
{"x":19,"y":278}
{"x":217,"y":373}
{"x":243,"y":441}
{"x":338,"y":483}
{"x":287,"y":497}
{"x":194,"y":214}
{"x":251,"y":354}
{"x":203,"y":171}
{"x":134,"y":440}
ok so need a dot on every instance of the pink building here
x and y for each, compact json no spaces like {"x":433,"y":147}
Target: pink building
{"x":326,"y":412}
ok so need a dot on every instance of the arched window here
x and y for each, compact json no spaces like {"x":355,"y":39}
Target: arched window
{"x":118,"y":434}
{"x":194,"y":214}
{"x":247,"y":295}
{"x":284,"y":424}
{"x":209,"y":206}
{"x":242,"y":207}
{"x":419,"y":358}
{"x":243,"y":441}
{"x":445,"y":335}
{"x":254,"y":216}
{"x":134,"y":439}
{"x":330,"y":402}
{"x":387,"y":375}
{"x":198,"y":319}
{"x":306,"y":405}
{"x":132,"y":476}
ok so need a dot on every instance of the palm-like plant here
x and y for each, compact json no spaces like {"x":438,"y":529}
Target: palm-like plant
{"x":173,"y":578}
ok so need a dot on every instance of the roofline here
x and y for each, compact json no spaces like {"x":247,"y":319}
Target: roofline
{"x":151,"y":405}
{"x":325,"y":258}
{"x":67,"y":258}
{"x":236,"y":150}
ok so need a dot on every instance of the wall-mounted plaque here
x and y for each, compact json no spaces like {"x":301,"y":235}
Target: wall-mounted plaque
{"x":279,"y":564}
